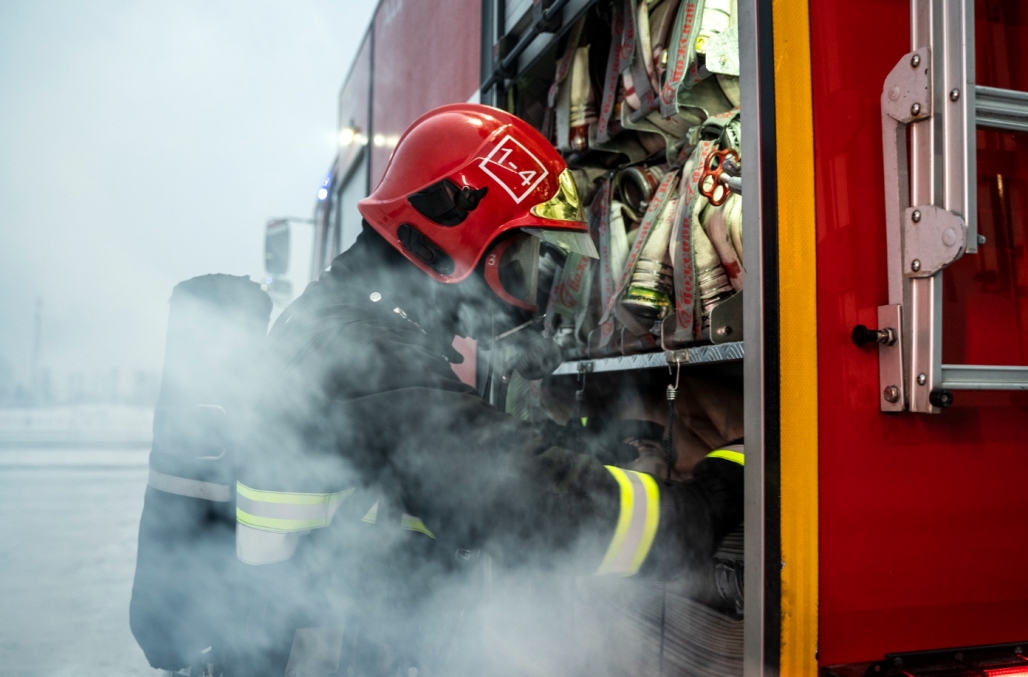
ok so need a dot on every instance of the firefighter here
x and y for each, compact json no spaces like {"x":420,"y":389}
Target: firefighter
{"x":370,"y":460}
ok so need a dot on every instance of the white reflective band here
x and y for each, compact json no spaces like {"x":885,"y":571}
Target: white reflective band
{"x":181,"y":486}
{"x":637,"y":523}
{"x":412,"y":523}
{"x":258,"y":546}
{"x":284,"y":510}
{"x":372,"y":516}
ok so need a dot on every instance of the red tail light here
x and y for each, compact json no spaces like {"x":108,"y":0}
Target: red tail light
{"x":1013,"y":671}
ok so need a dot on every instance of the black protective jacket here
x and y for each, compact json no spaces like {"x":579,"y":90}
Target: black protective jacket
{"x":360,"y":397}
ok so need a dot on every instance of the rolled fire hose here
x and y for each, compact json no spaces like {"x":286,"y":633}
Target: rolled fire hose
{"x":634,"y":188}
{"x":650,"y":292}
{"x":576,"y":107}
{"x":715,"y":221}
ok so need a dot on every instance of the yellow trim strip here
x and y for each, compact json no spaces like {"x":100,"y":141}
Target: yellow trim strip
{"x":638,"y":519}
{"x":277,"y":524}
{"x":624,"y":520}
{"x":291,"y":498}
{"x":797,"y":289}
{"x":733,"y":456}
{"x":411,"y":523}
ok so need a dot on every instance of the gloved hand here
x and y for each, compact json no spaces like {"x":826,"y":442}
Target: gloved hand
{"x":531,"y":354}
{"x":605,"y":439}
{"x":695,"y":516}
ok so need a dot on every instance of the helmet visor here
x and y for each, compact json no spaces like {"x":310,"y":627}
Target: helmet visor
{"x":565,"y":205}
{"x":512,"y":270}
{"x":568,"y":241}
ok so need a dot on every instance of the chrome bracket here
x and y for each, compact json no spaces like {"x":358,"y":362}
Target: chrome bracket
{"x":907,"y":94}
{"x":933,"y":238}
{"x":892,"y":395}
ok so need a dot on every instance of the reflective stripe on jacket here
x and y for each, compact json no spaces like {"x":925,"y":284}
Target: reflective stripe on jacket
{"x":269,"y":523}
{"x":639,"y":515}
{"x":183,"y":486}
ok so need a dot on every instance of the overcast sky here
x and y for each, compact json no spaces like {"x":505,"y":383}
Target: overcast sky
{"x":144,"y":143}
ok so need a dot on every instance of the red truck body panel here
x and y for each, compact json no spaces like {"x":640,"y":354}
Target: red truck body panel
{"x":426,"y":54}
{"x":923,"y":518}
{"x":354,"y":106}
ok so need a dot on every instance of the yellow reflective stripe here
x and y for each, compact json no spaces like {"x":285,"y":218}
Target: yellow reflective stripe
{"x":624,"y":520}
{"x":285,"y":511}
{"x":412,"y":523}
{"x":278,"y":524}
{"x":637,"y":523}
{"x":733,"y":456}
{"x":292,"y":498}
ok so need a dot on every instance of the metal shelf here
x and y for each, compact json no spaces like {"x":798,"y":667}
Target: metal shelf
{"x":722,"y":352}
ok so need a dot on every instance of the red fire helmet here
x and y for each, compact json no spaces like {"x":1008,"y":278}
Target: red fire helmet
{"x":462,"y":176}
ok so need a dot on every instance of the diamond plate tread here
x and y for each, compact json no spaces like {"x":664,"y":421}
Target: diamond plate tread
{"x":722,"y":352}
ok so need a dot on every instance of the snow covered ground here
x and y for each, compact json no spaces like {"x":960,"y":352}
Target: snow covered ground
{"x":78,"y":425}
{"x":67,"y":555}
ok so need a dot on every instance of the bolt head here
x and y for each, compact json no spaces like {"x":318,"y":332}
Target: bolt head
{"x":916,"y":216}
{"x":954,"y":94}
{"x":915,"y":109}
{"x":915,"y":265}
{"x":981,"y":239}
{"x":891,"y":394}
{"x":375,"y":297}
{"x":915,"y":60}
{"x":922,"y":379}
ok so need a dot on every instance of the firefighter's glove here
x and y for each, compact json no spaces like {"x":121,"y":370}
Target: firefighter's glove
{"x":530,"y":354}
{"x":604,"y":439}
{"x":696,"y":515}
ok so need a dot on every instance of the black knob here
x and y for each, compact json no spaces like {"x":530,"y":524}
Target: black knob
{"x":941,"y":398}
{"x":861,"y":335}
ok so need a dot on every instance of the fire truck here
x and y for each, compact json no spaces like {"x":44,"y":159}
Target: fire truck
{"x":874,"y":157}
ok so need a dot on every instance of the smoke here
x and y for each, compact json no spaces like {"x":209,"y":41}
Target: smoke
{"x":352,"y":397}
{"x":142,"y":144}
{"x":146,"y":143}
